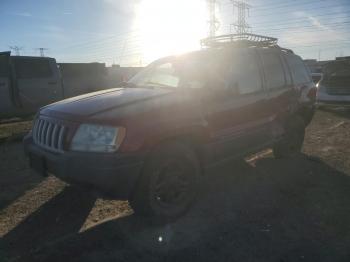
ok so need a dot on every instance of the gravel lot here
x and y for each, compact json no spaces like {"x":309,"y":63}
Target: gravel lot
{"x":260,"y":209}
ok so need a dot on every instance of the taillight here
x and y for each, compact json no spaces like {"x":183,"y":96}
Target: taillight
{"x":312,"y":93}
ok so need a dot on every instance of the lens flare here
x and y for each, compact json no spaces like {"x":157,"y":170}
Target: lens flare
{"x":170,"y":27}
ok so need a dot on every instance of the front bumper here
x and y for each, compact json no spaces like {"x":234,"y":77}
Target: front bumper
{"x":115,"y":174}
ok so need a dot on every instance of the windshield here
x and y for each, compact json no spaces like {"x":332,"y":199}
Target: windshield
{"x":188,"y":71}
{"x":164,"y":74}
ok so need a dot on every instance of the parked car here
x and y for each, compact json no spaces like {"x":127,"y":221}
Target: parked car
{"x":150,"y":140}
{"x":334,"y":87}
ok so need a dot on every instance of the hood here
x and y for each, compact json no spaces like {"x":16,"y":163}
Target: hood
{"x":91,"y":104}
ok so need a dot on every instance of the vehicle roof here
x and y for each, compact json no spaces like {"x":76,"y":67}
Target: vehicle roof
{"x":214,"y":50}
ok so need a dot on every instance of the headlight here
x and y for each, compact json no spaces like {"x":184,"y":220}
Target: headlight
{"x":96,"y":138}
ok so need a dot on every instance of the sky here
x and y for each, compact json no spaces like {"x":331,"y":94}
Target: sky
{"x":135,"y":32}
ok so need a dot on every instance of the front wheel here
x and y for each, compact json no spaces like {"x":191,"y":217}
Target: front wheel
{"x":169,"y":183}
{"x":291,"y":143}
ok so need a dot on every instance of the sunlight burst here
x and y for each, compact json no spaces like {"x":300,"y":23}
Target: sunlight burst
{"x":170,"y":27}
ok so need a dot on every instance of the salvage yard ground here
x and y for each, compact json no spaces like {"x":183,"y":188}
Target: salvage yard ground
{"x":260,"y":209}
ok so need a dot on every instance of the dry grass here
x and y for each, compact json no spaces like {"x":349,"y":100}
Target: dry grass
{"x":15,"y":130}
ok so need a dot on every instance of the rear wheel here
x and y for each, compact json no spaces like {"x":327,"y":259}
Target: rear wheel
{"x":291,"y":143}
{"x":169,"y":183}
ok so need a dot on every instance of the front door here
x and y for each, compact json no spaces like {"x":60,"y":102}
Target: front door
{"x":281,"y":94}
{"x":237,"y":115}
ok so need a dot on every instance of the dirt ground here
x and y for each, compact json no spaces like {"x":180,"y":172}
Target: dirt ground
{"x":260,"y":209}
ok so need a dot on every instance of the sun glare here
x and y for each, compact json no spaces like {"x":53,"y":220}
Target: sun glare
{"x":170,"y":26}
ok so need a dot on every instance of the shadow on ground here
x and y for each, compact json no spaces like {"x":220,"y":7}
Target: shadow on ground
{"x":15,"y":176}
{"x":270,"y":210}
{"x":337,"y":110}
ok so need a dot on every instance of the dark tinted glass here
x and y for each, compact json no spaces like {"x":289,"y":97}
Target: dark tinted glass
{"x":4,"y":66}
{"x":245,"y":75}
{"x":298,"y":69}
{"x":32,"y":68}
{"x":273,"y":69}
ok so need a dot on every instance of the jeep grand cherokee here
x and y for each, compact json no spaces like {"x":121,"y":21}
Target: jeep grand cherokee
{"x":150,"y":140}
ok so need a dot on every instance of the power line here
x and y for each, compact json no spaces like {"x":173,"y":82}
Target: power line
{"x":267,"y":7}
{"x":97,"y":41}
{"x":298,"y":19}
{"x":308,"y":28}
{"x":105,"y":52}
{"x":334,"y":15}
{"x":303,"y":19}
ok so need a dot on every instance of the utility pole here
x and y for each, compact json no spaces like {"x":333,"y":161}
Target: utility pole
{"x":241,"y":25}
{"x":213,"y":22}
{"x":41,"y":50}
{"x":17,"y":49}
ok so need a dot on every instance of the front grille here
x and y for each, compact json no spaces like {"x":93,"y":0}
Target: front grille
{"x":49,"y":134}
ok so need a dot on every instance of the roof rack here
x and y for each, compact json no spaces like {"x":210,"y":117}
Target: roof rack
{"x":245,"y":39}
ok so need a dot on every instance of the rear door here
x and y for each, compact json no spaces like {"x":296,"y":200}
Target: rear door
{"x":37,"y":81}
{"x":302,"y":80}
{"x":278,"y":83}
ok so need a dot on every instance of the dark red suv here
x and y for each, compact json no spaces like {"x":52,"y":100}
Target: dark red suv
{"x":150,"y":140}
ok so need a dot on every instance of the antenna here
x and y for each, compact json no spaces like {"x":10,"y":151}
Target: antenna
{"x":17,"y":49}
{"x":213,"y":22}
{"x":241,"y":25}
{"x":41,"y":50}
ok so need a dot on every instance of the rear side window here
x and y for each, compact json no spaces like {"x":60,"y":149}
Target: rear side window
{"x":245,"y":73}
{"x":33,"y":68}
{"x":273,"y":69}
{"x":298,"y":69}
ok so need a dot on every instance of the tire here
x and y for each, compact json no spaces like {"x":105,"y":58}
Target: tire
{"x":291,"y":143}
{"x":169,"y":183}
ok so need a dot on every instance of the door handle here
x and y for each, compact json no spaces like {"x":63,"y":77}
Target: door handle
{"x":52,"y":83}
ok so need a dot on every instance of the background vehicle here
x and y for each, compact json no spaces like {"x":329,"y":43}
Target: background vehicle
{"x":150,"y":141}
{"x":28,"y":83}
{"x":334,"y":88}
